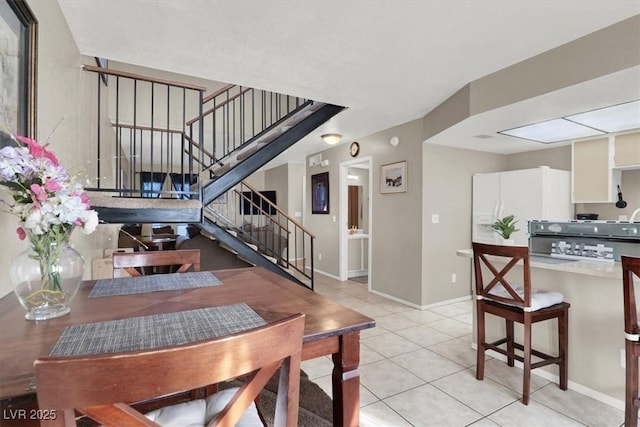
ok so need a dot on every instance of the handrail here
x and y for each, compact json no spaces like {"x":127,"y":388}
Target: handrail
{"x":153,"y":129}
{"x":218,"y":92}
{"x":220,"y":105}
{"x":197,"y":145}
{"x":142,"y":77}
{"x":258,"y":221}
{"x":283,"y":213}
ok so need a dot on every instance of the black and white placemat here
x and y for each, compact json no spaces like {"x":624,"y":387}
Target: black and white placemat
{"x":153,"y":283}
{"x":159,"y":330}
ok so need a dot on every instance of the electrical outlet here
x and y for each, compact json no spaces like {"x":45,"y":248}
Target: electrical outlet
{"x":319,"y":257}
{"x":454,"y":277}
{"x":623,"y":358}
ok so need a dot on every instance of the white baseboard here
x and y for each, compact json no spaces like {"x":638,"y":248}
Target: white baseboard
{"x":418,"y":306}
{"x":324,"y":273}
{"x":594,"y":394}
{"x":357,"y":273}
{"x":451,"y":301}
{"x":396,"y":299}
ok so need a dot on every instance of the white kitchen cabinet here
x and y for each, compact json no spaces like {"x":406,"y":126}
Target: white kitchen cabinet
{"x":594,"y":180}
{"x":540,"y":193}
{"x":627,"y":151}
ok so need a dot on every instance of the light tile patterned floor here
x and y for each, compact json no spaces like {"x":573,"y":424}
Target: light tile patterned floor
{"x":417,"y":368}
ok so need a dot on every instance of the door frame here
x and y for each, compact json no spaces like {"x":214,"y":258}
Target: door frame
{"x":343,"y":269}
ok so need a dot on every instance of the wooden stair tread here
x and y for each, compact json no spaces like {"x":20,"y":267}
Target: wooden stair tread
{"x":143,"y":202}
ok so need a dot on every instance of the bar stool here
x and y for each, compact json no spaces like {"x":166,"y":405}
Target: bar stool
{"x":631,"y":267}
{"x":496,"y":296}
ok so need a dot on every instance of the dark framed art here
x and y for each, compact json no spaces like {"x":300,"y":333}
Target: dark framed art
{"x":19,"y":33}
{"x":320,"y":193}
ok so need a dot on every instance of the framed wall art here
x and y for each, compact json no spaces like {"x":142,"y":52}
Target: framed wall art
{"x":393,"y":178}
{"x":18,"y":34}
{"x":320,"y":193}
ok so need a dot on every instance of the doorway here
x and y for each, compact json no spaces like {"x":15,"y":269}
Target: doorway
{"x":355,"y":219}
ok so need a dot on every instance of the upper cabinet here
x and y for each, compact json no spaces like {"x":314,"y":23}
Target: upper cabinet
{"x":594,"y":179}
{"x":627,"y":151}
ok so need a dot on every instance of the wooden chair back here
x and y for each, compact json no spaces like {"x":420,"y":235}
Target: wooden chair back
{"x":630,"y":267}
{"x":104,"y":386}
{"x":138,"y":263}
{"x":487,"y":278}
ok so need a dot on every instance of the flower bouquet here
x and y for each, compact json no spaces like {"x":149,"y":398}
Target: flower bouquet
{"x":50,"y":204}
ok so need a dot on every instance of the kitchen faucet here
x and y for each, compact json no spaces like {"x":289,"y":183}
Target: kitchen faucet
{"x":633,"y":215}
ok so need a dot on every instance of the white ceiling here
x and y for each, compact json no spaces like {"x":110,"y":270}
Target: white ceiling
{"x":388,"y":61}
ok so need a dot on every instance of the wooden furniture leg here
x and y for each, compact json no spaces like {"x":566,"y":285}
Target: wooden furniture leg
{"x":346,"y":381}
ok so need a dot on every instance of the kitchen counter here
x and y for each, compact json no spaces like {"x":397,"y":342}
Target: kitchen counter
{"x":609,"y":270}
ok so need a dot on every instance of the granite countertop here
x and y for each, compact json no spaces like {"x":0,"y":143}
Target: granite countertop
{"x":609,"y":270}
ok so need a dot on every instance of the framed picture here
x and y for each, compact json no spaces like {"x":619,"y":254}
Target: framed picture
{"x":19,"y":35}
{"x":393,"y":178}
{"x":320,"y":193}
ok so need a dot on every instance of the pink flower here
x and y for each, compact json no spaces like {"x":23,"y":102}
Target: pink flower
{"x":52,"y":186}
{"x":37,"y":150}
{"x":84,"y":197}
{"x":21,"y":233}
{"x":39,"y":192}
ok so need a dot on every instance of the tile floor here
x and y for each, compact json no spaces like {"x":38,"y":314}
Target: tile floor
{"x":417,"y":368}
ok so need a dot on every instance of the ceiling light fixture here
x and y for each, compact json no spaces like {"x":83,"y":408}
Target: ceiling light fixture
{"x":616,"y":118}
{"x":555,"y":130}
{"x":331,"y":138}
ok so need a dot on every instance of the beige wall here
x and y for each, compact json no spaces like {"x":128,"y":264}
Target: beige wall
{"x":278,"y":179}
{"x":63,"y":93}
{"x":396,"y":224}
{"x":447,"y":178}
{"x":395,"y":228}
{"x":616,"y":48}
{"x":555,"y":158}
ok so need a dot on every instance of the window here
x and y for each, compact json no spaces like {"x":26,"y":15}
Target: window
{"x":18,"y":41}
{"x":151,"y":183}
{"x":182,"y":183}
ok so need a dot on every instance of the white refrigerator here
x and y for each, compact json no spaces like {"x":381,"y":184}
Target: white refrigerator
{"x":540,"y":193}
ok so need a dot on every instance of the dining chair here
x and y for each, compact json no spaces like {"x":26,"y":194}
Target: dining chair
{"x":497,"y":296}
{"x":104,"y":387}
{"x":630,"y":267}
{"x":144,"y":263}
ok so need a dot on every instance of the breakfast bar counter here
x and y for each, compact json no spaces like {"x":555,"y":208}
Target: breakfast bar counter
{"x":596,"y":325}
{"x":608,"y":270}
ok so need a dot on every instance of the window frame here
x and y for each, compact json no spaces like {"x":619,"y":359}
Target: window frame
{"x":28,"y":60}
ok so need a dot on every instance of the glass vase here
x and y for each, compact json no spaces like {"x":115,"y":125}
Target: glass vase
{"x":46,"y":277}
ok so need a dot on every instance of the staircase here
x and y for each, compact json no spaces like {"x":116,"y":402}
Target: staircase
{"x":151,"y":129}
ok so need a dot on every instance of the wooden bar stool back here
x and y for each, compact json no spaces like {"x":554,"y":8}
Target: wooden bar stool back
{"x":631,"y":268}
{"x":104,"y":386}
{"x":497,"y":296}
{"x":139,"y":263}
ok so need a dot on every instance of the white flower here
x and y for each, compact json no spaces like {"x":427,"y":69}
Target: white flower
{"x":44,"y":195}
{"x":35,"y":222}
{"x":89,"y":221}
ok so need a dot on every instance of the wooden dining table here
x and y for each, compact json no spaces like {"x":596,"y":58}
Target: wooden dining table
{"x":330,"y":328}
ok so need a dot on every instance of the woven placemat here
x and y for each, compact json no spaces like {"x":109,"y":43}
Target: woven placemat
{"x":159,"y":330}
{"x":153,"y":283}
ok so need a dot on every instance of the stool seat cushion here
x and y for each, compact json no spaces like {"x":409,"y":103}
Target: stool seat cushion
{"x":539,"y":299}
{"x":199,"y":412}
